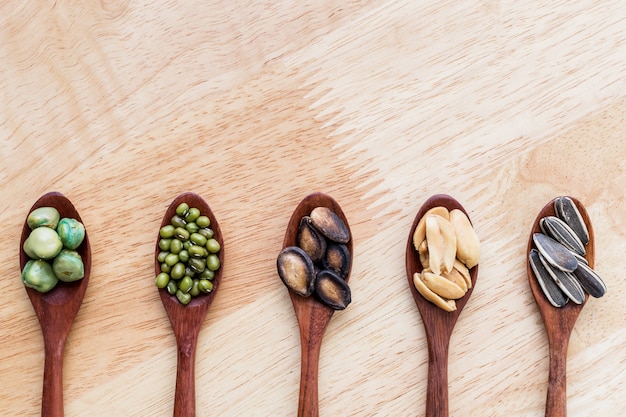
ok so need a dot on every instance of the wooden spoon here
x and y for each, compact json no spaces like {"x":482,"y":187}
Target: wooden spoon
{"x":56,"y":309}
{"x":558,"y":322}
{"x":187,"y":319}
{"x":313,"y":316}
{"x":438,"y":323}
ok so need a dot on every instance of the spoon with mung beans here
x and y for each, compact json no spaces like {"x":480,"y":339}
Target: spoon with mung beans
{"x":438,"y":323}
{"x":558,"y":321}
{"x":186,"y":320}
{"x":313,"y":316}
{"x":56,"y":309}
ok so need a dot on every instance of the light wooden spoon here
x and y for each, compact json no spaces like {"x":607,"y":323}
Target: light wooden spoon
{"x":438,"y":323}
{"x":57,"y":308}
{"x":559,"y":322}
{"x":187,"y":319}
{"x":313,"y":316}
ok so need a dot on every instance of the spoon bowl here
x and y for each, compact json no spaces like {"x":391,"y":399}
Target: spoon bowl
{"x":438,"y":324}
{"x":56,"y":309}
{"x":558,"y":321}
{"x":312,"y":315}
{"x":186,"y":320}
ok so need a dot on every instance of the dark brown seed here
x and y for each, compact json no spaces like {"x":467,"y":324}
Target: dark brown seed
{"x":337,"y":259}
{"x":332,"y":290}
{"x":330,"y":224}
{"x":555,"y":253}
{"x":296,"y":270}
{"x":590,"y":281}
{"x":567,"y":211}
{"x":553,"y":293}
{"x":566,"y":281}
{"x":310,"y":239}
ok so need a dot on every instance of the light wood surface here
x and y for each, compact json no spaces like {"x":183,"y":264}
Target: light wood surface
{"x":122,"y":105}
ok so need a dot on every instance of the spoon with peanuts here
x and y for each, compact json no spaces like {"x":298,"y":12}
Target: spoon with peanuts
{"x":438,"y":320}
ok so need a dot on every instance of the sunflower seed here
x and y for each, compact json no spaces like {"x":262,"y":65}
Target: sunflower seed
{"x":562,"y":233}
{"x":567,"y":211}
{"x":553,"y":293}
{"x":590,"y":281}
{"x":566,"y":281}
{"x":555,"y":253}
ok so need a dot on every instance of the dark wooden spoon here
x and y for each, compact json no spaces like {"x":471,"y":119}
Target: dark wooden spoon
{"x":56,"y":309}
{"x":313,"y":316}
{"x":187,"y":319}
{"x":559,"y":322}
{"x":438,"y":323}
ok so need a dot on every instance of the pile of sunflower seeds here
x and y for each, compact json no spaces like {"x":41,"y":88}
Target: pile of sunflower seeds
{"x":558,"y":258}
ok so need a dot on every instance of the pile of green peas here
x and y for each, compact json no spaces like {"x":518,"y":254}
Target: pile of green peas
{"x":188,"y":255}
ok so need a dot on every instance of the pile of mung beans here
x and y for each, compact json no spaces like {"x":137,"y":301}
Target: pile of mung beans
{"x":188,"y":254}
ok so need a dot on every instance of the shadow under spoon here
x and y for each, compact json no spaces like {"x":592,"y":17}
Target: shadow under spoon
{"x":56,"y":309}
{"x":558,"y":321}
{"x":187,"y":319}
{"x":312,"y":315}
{"x":438,"y":324}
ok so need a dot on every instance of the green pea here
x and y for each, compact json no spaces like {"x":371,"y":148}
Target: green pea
{"x":71,"y":232}
{"x":195,"y":290}
{"x":213,"y":245}
{"x":178,"y":271}
{"x":162,"y":280}
{"x":176,"y":246}
{"x":39,"y":275}
{"x":68,"y":266}
{"x":197,"y":252}
{"x":197,"y":264}
{"x":181,"y":233}
{"x":161,"y":256}
{"x":203,"y":221}
{"x":182,"y":209}
{"x":171,"y":259}
{"x":206,"y":274}
{"x":213,"y":262}
{"x":183,"y":255}
{"x":43,"y":216}
{"x":167,"y":231}
{"x":166,"y":268}
{"x":192,"y":215}
{"x":185,"y":284}
{"x":192,"y":227}
{"x":178,"y":221}
{"x":43,"y":243}
{"x":183,"y":297}
{"x":206,"y":232}
{"x":172,"y":287}
{"x":198,"y":239}
{"x":164,"y":244}
{"x":204,"y":285}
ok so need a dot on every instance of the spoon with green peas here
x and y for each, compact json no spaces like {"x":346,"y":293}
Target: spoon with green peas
{"x":186,"y":312}
{"x":57,"y":308}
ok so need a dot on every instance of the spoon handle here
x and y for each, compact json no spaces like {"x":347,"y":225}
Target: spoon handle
{"x":437,"y":388}
{"x":52,"y":396}
{"x":308,"y":404}
{"x":185,"y":395}
{"x":556,"y":401}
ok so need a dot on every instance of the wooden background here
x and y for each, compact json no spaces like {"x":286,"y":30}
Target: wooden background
{"x":122,"y":105}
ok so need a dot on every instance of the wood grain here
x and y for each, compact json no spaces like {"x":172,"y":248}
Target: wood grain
{"x":122,"y":105}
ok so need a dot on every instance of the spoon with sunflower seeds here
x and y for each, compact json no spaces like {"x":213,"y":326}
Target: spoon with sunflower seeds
{"x":438,"y":322}
{"x":555,"y":274}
